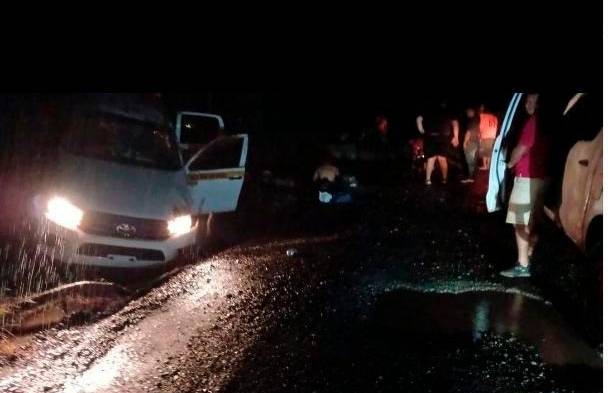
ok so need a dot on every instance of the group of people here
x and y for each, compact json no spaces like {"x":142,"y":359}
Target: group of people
{"x":528,"y":161}
{"x":440,"y":133}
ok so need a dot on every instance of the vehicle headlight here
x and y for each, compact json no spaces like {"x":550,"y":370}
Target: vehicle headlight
{"x":62,"y":212}
{"x":180,"y":225}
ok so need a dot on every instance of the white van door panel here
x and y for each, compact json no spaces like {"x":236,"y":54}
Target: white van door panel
{"x":216,"y":174}
{"x":496,"y":195}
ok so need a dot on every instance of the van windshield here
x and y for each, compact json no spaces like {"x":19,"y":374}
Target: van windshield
{"x":123,"y":140}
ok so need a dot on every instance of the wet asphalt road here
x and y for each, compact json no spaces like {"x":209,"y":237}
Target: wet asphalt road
{"x":340,"y":315}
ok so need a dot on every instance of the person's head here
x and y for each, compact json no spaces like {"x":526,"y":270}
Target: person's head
{"x":327,"y":158}
{"x":531,"y":103}
{"x":470,"y":112}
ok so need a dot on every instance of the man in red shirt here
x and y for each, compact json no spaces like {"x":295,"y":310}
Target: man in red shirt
{"x":529,"y":163}
{"x":382,"y":125}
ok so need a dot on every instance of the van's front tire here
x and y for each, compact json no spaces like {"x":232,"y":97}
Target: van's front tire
{"x":595,"y":268}
{"x":214,"y":233}
{"x":209,"y":234}
{"x":593,"y":297}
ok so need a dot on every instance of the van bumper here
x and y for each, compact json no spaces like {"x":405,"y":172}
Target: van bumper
{"x":78,"y":247}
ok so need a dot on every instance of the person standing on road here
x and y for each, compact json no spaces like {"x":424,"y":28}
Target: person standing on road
{"x":470,"y":144}
{"x":488,"y":127}
{"x":440,"y":131}
{"x":382,"y":128}
{"x":529,"y":163}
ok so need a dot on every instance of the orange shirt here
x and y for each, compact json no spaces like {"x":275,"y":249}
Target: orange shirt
{"x":488,"y":125}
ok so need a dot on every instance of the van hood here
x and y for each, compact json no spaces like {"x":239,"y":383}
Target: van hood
{"x":108,"y":187}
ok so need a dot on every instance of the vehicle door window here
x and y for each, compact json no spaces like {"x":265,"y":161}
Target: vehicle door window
{"x":223,"y":153}
{"x":198,"y":130}
{"x":584,"y":120}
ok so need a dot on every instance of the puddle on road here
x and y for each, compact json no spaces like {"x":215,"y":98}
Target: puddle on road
{"x":473,"y":314}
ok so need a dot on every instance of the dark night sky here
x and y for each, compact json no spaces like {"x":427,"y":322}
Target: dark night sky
{"x":312,"y":112}
{"x":326,"y":112}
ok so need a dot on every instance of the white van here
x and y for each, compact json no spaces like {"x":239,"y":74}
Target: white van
{"x":130,"y":188}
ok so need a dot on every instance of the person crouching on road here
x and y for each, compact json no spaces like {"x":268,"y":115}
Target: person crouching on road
{"x":325,"y":178}
{"x":331,"y":186}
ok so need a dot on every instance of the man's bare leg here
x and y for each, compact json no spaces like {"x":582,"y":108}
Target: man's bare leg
{"x":443,"y":166}
{"x":430,"y":165}
{"x":522,"y":238}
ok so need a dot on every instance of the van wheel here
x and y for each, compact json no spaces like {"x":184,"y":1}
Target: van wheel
{"x":594,"y":281}
{"x":594,"y":248}
{"x":210,"y":234}
{"x":594,"y":254}
{"x":203,"y":234}
{"x":221,"y":229}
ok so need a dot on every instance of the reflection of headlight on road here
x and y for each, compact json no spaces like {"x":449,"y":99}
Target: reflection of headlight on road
{"x":180,"y":225}
{"x":62,"y":212}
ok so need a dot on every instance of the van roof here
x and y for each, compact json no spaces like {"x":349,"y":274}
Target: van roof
{"x":142,"y":107}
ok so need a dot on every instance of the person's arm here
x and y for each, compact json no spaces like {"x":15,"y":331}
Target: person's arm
{"x":456,"y":130}
{"x":517,"y":154}
{"x":419,"y":124}
{"x":467,"y":137}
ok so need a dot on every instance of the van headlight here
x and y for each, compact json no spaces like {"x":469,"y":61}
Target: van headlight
{"x":63,"y":212}
{"x":180,"y":225}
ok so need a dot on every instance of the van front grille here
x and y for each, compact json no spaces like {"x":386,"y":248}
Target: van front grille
{"x":104,"y":224}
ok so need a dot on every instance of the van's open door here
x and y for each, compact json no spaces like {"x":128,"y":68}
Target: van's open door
{"x":216,"y":174}
{"x":496,"y":196}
